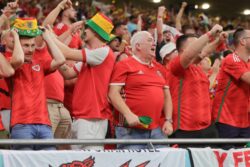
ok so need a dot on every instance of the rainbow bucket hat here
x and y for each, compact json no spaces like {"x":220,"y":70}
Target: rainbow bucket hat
{"x":102,"y":25}
{"x":27,"y":27}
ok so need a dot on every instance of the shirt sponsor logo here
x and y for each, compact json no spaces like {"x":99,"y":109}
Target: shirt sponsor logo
{"x":36,"y":67}
{"x":236,"y":58}
{"x":159,"y":73}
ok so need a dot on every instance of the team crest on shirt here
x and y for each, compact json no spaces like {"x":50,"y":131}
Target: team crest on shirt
{"x":140,"y":72}
{"x":159,"y":73}
{"x":36,"y":67}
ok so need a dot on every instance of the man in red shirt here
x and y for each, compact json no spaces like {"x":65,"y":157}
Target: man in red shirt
{"x":90,"y":104}
{"x":29,"y":116}
{"x":189,"y":87}
{"x":231,"y":102}
{"x":7,"y":67}
{"x":145,"y":94}
{"x":68,"y":31}
{"x":54,"y":83}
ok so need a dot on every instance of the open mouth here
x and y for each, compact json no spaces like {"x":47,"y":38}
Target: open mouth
{"x":153,"y":49}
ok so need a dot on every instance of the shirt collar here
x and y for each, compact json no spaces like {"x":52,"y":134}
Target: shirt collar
{"x":144,"y":63}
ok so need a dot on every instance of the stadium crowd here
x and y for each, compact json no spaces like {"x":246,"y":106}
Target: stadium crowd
{"x":71,"y":71}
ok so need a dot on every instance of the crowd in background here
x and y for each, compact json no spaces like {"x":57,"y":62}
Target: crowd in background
{"x":121,"y":72}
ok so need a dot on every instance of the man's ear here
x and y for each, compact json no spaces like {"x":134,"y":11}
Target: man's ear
{"x":138,"y":46}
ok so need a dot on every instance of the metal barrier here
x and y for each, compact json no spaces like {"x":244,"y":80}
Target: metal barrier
{"x":119,"y":141}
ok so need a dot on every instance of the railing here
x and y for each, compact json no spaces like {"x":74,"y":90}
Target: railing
{"x":119,"y":141}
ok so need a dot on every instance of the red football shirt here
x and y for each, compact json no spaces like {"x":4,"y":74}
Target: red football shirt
{"x":76,"y":41}
{"x":195,"y":111}
{"x":236,"y":103}
{"x":90,"y":99}
{"x":4,"y":99}
{"x":28,"y":92}
{"x":54,"y":82}
{"x":54,"y":86}
{"x":143,"y":89}
{"x":4,"y":95}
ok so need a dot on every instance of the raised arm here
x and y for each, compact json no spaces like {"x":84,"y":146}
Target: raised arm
{"x":8,"y":11}
{"x":139,"y":22}
{"x":6,"y":70}
{"x":179,"y":16}
{"x":51,"y":18}
{"x":159,"y":24}
{"x":58,"y":58}
{"x":69,"y":53}
{"x":17,"y":58}
{"x":66,"y":37}
{"x":211,"y":47}
{"x":192,"y":51}
{"x":92,"y":57}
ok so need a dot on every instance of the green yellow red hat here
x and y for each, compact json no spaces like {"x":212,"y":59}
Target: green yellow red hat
{"x":27,"y":27}
{"x":102,"y":25}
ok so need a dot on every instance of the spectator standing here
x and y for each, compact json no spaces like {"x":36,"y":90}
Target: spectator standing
{"x":29,"y":116}
{"x":90,"y":115}
{"x":145,"y":92}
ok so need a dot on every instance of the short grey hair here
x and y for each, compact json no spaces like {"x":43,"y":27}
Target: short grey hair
{"x":137,"y":38}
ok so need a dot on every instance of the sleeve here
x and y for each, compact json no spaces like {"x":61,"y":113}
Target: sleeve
{"x":234,"y":67}
{"x":78,"y":67}
{"x":120,"y":73}
{"x":167,"y":78}
{"x":96,"y":56}
{"x":163,"y":71}
{"x":176,"y":67}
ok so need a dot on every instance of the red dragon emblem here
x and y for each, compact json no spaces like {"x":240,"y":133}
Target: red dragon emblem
{"x":89,"y":162}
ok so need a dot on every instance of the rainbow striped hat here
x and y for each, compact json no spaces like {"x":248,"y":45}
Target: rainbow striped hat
{"x":102,"y":25}
{"x":27,"y":27}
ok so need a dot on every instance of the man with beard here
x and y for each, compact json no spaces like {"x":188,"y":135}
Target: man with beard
{"x":90,"y":104}
{"x":58,"y":91}
{"x":29,"y":115}
{"x":231,"y":102}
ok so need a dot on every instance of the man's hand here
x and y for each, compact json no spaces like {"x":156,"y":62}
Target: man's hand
{"x":161,"y":11}
{"x":10,"y":8}
{"x":216,"y":30}
{"x":132,"y":119}
{"x":14,"y":34}
{"x":184,"y":4}
{"x":167,"y":128}
{"x":65,"y":4}
{"x":223,"y":36}
{"x":46,"y":34}
{"x":76,"y":27}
